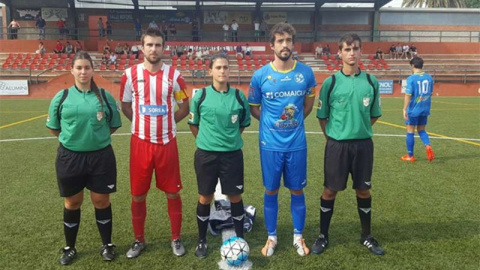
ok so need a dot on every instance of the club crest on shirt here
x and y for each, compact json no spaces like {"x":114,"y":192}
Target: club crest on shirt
{"x":99,"y":116}
{"x":366,"y":101}
{"x":234,"y":118}
{"x":299,"y":78}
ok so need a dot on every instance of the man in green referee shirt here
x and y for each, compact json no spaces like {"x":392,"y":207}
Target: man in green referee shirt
{"x":349,"y":105}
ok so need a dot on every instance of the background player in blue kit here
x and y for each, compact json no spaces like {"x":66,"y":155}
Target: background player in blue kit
{"x":416,"y":108}
{"x":284,"y":90}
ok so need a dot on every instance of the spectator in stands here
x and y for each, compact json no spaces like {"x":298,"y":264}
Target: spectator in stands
{"x":77,"y":47}
{"x":413,"y":51}
{"x":248,"y":50}
{"x":40,"y":24}
{"x":68,"y":48}
{"x":398,"y":51}
{"x":126,"y":48}
{"x":138,"y":29}
{"x":190,"y":53}
{"x":392,"y":51}
{"x":198,"y":55}
{"x":164,"y":29}
{"x":106,"y":48}
{"x":379,"y":54}
{"x":256,"y":28}
{"x":105,"y":58}
{"x":195,"y":30}
{"x":119,"y":48}
{"x":112,"y":59}
{"x":406,"y":51}
{"x":61,"y":28}
{"x":263,"y":29}
{"x":180,"y":50}
{"x":14,"y":26}
{"x":59,"y":47}
{"x":225,"y":28}
{"x":135,"y":50}
{"x":239,"y":50}
{"x":41,"y":49}
{"x":326,"y":50}
{"x":100,"y":27}
{"x":318,"y":51}
{"x":173,"y":30}
{"x":109,"y":29}
{"x":234,"y":28}
{"x":153,"y":24}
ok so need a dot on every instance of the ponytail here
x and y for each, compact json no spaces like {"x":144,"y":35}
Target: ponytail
{"x":95,"y":90}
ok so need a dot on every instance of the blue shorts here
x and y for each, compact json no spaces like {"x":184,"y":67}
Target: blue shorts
{"x":293,"y":166}
{"x":416,"y":121}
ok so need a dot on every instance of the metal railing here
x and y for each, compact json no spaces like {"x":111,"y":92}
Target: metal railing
{"x":248,"y":35}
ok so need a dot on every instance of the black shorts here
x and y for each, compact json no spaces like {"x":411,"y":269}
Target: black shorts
{"x":210,"y":166}
{"x":96,"y":170}
{"x":353,"y":157}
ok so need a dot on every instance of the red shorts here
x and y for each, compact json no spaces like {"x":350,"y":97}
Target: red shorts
{"x":145,"y":157}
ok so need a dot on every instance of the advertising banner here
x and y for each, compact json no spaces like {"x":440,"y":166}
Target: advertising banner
{"x":13,"y":87}
{"x":386,"y":86}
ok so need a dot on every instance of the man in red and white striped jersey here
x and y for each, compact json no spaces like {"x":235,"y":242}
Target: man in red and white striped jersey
{"x":149,"y":92}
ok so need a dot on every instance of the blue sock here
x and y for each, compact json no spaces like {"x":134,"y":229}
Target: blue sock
{"x":270,"y":209}
{"x":410,"y":143}
{"x":299,"y":211}
{"x":424,"y":137}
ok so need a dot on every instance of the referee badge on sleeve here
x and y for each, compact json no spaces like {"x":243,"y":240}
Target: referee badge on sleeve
{"x":191,"y":117}
{"x":99,"y":116}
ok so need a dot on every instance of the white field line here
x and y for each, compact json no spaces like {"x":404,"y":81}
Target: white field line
{"x":253,"y":132}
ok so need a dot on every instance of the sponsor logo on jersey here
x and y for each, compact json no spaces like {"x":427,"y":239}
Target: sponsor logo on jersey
{"x":286,"y":79}
{"x":234,"y":118}
{"x":153,"y":110}
{"x":299,"y":78}
{"x":281,"y":94}
{"x":366,"y":101}
{"x":287,"y":118}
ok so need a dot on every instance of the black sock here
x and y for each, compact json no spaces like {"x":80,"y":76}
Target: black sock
{"x":238,"y":215}
{"x":71,"y":223}
{"x":104,"y":223}
{"x":203,"y":217}
{"x":365,"y":213}
{"x":326,"y":212}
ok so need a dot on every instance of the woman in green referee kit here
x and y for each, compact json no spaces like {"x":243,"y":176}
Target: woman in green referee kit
{"x":218,"y":115}
{"x":83,"y":117}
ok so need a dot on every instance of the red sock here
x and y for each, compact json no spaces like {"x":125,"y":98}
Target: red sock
{"x":139,"y":213}
{"x":175,"y":214}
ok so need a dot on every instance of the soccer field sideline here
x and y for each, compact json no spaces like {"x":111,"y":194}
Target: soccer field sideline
{"x":465,"y":140}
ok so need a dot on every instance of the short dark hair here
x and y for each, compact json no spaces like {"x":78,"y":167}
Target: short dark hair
{"x":215,"y":57}
{"x":281,"y":28}
{"x":349,"y":39}
{"x":417,"y":62}
{"x":153,"y":32}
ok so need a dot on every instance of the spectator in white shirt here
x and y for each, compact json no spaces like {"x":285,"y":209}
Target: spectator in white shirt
{"x":234,"y":27}
{"x":225,"y":28}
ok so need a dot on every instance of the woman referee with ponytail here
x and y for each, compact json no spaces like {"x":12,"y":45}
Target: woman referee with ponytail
{"x":83,"y":117}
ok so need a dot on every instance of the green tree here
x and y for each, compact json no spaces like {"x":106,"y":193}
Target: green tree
{"x":436,"y":3}
{"x":472,"y":3}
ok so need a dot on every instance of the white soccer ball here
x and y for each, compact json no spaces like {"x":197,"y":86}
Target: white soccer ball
{"x":235,"y":251}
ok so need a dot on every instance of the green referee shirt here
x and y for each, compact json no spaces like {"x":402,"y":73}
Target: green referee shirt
{"x":219,"y":119}
{"x":82,"y":121}
{"x":349,"y":106}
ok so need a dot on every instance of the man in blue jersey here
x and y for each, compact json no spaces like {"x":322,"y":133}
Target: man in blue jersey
{"x":284,"y":90}
{"x":416,"y":108}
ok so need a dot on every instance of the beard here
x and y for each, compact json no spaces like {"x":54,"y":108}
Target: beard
{"x":284,"y":58}
{"x":153,"y":61}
